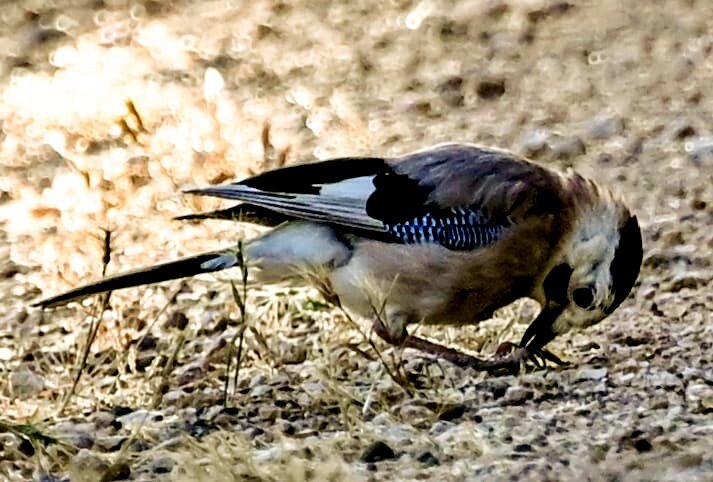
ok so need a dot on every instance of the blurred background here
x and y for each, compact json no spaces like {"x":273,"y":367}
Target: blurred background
{"x":109,"y":108}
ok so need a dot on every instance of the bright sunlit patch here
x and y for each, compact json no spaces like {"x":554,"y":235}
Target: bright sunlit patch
{"x":213,"y":83}
{"x":416,"y":17}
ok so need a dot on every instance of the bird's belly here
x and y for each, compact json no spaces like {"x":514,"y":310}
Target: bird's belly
{"x":412,"y":283}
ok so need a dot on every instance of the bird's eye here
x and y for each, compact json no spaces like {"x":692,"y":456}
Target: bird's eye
{"x":583,"y":297}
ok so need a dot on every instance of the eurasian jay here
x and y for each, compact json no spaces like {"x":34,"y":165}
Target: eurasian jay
{"x":441,"y":236}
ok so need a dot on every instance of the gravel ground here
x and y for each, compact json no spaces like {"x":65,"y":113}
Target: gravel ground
{"x":109,"y":108}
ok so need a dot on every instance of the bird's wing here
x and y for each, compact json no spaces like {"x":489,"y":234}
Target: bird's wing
{"x":459,"y":196}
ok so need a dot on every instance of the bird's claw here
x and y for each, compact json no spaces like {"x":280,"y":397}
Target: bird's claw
{"x":511,"y":356}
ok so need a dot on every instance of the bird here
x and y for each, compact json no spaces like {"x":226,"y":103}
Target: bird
{"x":443,"y":236}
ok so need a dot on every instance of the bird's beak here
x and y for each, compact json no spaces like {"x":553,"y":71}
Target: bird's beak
{"x":540,"y":331}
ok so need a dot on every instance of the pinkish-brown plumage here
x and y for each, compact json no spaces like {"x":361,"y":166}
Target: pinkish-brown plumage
{"x":441,"y":236}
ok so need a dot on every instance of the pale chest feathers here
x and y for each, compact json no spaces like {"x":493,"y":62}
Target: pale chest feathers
{"x":431,"y":284}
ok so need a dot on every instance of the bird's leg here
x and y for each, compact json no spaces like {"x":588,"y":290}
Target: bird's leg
{"x":510,"y":360}
{"x":403,"y":339}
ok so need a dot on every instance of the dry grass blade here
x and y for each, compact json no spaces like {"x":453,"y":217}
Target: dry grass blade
{"x":240,"y":298}
{"x":400,"y":380}
{"x":94,"y":325}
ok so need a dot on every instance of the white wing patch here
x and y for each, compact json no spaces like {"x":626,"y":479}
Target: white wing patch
{"x":357,"y":188}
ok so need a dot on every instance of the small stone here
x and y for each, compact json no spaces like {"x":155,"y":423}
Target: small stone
{"x":120,"y":410}
{"x":664,"y":379}
{"x":25,"y":382}
{"x":604,"y":127}
{"x":690,"y":280}
{"x":699,"y":146}
{"x":161,"y":465}
{"x":148,"y":342}
{"x":81,"y":435}
{"x":259,"y":391}
{"x":6,"y":354}
{"x":642,"y":445}
{"x":587,"y":373}
{"x":490,"y":88}
{"x":400,"y":433}
{"x":699,"y":397}
{"x":139,"y":417}
{"x":102,"y":419}
{"x":427,"y":458}
{"x":86,"y":465}
{"x":177,"y":320}
{"x":682,"y":130}
{"x":517,"y":394}
{"x":117,"y":471}
{"x":111,"y":443}
{"x":533,"y":142}
{"x":523,"y":448}
{"x":376,"y":452}
{"x":567,"y":147}
{"x":452,"y":412}
{"x":174,"y":397}
{"x":451,"y":91}
{"x":414,"y":412}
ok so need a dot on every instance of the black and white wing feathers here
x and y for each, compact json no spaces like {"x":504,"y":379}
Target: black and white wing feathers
{"x":459,"y":196}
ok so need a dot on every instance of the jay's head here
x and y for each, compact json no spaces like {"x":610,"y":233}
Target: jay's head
{"x":595,"y":273}
{"x":598,"y":269}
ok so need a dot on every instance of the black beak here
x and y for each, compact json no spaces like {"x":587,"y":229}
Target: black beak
{"x":540,"y":333}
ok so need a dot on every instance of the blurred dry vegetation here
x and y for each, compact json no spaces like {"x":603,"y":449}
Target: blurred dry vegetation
{"x":109,"y":108}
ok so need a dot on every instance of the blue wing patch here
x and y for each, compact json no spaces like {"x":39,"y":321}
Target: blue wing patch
{"x":456,"y":229}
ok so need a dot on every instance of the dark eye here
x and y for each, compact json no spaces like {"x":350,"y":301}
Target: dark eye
{"x":583,"y":297}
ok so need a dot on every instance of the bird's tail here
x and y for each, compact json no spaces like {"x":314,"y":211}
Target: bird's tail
{"x":182,"y":268}
{"x":278,"y":255}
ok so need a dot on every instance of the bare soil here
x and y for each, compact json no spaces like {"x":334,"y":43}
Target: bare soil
{"x":108,"y":109}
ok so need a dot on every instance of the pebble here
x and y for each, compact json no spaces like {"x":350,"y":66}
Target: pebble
{"x":663,"y":379}
{"x":110,"y":443}
{"x":81,"y":435}
{"x":567,"y":147}
{"x":6,"y":354}
{"x":102,"y":419}
{"x":26,"y":382}
{"x":87,"y":466}
{"x":427,"y":458}
{"x":452,"y":412}
{"x":689,"y":280}
{"x":414,"y":412}
{"x":400,"y":433}
{"x":533,"y":142}
{"x":376,"y":452}
{"x":699,"y":146}
{"x":490,"y":88}
{"x":451,"y":91}
{"x":587,"y":373}
{"x":517,"y":394}
{"x":135,"y":419}
{"x":699,"y":397}
{"x":605,"y":126}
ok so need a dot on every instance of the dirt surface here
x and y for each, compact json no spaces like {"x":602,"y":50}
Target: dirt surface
{"x":108,"y":109}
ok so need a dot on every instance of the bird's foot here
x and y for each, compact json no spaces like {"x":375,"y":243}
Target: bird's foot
{"x":509,"y":352}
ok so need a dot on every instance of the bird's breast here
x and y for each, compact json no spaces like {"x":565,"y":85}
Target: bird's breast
{"x":428,"y":283}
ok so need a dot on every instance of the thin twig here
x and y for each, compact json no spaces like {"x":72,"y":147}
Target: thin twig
{"x":401,"y":383}
{"x":240,"y":300}
{"x":94,"y":326}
